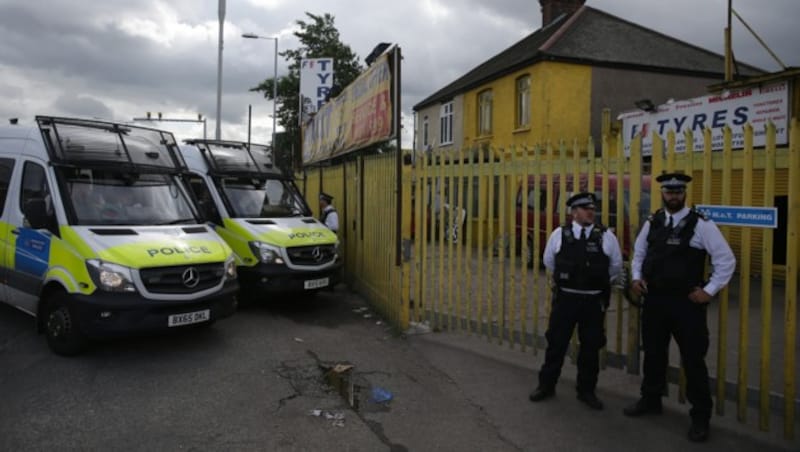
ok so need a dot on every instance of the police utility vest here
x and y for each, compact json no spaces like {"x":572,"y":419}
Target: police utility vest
{"x":582,"y":264}
{"x":671,"y":265}
{"x":325,"y":214}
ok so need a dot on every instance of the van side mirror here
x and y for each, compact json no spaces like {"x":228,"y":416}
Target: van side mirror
{"x":35,"y":211}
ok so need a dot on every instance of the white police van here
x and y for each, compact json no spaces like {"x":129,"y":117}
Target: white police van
{"x":261,"y":214}
{"x":98,"y":236}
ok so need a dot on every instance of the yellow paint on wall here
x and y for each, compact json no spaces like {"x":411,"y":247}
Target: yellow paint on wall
{"x":560,"y":106}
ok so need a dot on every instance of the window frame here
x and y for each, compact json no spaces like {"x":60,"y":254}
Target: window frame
{"x":485,"y":99}
{"x":522,"y":117}
{"x":446,"y":114}
{"x":425,"y":132}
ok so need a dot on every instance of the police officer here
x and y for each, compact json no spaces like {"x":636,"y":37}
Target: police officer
{"x":329,"y":217}
{"x":668,"y":269}
{"x":584,"y":259}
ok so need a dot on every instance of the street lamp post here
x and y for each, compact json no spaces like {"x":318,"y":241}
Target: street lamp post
{"x":221,"y":15}
{"x":274,"y":83}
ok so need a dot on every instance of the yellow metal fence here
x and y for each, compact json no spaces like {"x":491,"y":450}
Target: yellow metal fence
{"x":465,"y":255}
{"x":366,"y":198}
{"x":481,"y":218}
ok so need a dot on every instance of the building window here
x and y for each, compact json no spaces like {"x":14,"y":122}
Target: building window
{"x":425,"y":126}
{"x":446,"y":124}
{"x":523,"y":102}
{"x":485,"y":113}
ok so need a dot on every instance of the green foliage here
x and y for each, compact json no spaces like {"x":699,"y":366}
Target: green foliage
{"x":319,"y":38}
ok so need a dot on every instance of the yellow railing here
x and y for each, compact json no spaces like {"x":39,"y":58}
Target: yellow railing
{"x":486,"y":280}
{"x":473,"y":224}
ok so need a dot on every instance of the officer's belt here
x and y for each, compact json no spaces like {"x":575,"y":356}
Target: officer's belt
{"x":580,"y":292}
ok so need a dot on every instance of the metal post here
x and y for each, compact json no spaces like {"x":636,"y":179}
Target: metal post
{"x":274,"y":96}
{"x":274,"y":82}
{"x":219,"y":68}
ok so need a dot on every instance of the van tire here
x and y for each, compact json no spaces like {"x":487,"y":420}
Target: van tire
{"x":61,"y":328}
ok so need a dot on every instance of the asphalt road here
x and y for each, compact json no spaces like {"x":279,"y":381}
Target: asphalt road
{"x":249,"y":382}
{"x":261,"y":380}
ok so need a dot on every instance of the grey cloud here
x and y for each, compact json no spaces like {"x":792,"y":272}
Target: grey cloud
{"x":82,"y":49}
{"x":83,"y":106}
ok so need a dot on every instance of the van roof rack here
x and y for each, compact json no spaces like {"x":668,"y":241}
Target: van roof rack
{"x":237,"y":158}
{"x":86,"y":142}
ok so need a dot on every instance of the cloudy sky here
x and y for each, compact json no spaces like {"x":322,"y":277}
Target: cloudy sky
{"x":117,"y":59}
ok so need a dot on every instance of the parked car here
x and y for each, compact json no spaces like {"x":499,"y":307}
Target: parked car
{"x":603,"y":201}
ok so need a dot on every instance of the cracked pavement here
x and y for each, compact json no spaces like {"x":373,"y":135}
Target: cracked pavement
{"x":252,"y":382}
{"x":247,"y":383}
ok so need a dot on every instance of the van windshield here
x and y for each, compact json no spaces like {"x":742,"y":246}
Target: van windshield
{"x":260,"y":198}
{"x":102,"y":197}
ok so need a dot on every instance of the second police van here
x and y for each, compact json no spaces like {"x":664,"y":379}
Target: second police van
{"x":260,"y":212}
{"x":98,"y":236}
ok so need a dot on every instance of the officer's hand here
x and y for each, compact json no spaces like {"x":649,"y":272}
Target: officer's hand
{"x":699,"y":295}
{"x":639,"y":287}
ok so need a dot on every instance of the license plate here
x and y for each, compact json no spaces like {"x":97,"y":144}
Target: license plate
{"x":189,"y":318}
{"x":316,"y":283}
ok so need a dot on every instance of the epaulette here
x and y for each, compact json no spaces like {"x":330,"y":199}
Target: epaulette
{"x":653,"y":215}
{"x":700,"y":214}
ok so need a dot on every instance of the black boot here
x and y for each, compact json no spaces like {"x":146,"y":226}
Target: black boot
{"x":590,"y":399}
{"x":645,"y":405}
{"x":542,"y":393}
{"x":699,"y":430}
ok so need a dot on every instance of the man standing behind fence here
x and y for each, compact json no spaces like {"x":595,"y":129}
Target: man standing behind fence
{"x":668,"y":269}
{"x":328,"y":215}
{"x":584,"y":259}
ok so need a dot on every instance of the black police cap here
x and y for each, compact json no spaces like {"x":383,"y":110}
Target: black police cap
{"x":325,"y":197}
{"x":673,"y":181}
{"x":583,"y":199}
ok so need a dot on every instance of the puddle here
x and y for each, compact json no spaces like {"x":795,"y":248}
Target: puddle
{"x":355,"y":389}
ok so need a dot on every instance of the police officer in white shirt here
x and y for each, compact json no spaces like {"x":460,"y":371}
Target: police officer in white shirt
{"x":584,"y":258}
{"x":329,"y":217}
{"x":668,"y":269}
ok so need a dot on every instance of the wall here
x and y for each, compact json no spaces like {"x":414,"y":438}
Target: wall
{"x":433,"y":113}
{"x":618,"y":89}
{"x":560,"y":98}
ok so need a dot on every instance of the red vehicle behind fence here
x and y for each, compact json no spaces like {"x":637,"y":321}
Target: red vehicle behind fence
{"x":539,"y":197}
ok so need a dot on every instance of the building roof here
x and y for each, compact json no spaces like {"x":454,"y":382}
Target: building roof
{"x":593,"y":37}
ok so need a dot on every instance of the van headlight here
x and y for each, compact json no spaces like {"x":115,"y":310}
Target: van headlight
{"x":110,"y":277}
{"x":267,"y":254}
{"x":230,"y":269}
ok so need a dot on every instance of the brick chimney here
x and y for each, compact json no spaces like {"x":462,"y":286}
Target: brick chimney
{"x":551,"y":9}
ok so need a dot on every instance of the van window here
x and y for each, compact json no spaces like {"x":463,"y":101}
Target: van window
{"x":34,"y":185}
{"x":35,"y":188}
{"x":107,"y":197}
{"x":253,"y":198}
{"x":204,"y":200}
{"x":6,"y":168}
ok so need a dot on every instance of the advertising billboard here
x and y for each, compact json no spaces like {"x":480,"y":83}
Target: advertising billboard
{"x":316,"y":80}
{"x":360,"y":116}
{"x":756,"y":106}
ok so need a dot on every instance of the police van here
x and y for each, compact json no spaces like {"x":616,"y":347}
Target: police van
{"x":260,"y":212}
{"x":99,"y":236}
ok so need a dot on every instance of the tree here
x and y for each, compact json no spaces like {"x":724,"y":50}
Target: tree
{"x":319,"y":38}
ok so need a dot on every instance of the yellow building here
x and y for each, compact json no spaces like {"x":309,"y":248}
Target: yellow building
{"x":555,"y":83}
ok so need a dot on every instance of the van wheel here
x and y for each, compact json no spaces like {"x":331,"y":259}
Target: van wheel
{"x":61,"y":328}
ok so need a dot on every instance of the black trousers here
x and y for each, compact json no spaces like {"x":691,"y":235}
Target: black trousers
{"x":587,"y":312}
{"x":668,"y":315}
